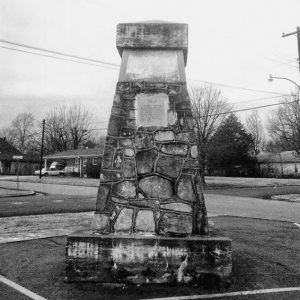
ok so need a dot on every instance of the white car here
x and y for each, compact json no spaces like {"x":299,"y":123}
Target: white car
{"x":37,"y":172}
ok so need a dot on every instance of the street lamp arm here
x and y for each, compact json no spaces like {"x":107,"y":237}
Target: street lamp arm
{"x":284,"y":78}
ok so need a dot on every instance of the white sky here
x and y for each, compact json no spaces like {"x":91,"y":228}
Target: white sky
{"x":232,"y":42}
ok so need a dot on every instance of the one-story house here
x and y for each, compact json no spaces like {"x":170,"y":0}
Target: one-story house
{"x":286,"y":163}
{"x":13,"y":162}
{"x":76,"y":161}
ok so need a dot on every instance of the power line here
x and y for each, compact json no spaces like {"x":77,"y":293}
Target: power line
{"x":60,"y":53}
{"x":111,"y":65}
{"x":236,"y":87}
{"x":251,"y":108}
{"x":257,"y":99}
{"x":59,"y":58}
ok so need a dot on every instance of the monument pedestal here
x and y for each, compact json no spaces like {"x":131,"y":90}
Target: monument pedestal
{"x":144,"y":259}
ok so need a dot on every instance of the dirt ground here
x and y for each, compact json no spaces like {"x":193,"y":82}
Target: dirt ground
{"x":265,"y":255}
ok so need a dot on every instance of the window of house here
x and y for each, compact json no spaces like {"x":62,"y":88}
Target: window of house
{"x":95,"y":160}
{"x":84,"y":161}
{"x":76,"y":161}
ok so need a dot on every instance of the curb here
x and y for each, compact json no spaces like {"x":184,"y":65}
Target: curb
{"x":22,"y":194}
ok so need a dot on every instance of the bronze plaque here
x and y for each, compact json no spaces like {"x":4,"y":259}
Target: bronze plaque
{"x":152,"y":109}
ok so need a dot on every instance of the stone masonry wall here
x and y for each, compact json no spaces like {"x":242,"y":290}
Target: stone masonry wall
{"x":148,"y":180}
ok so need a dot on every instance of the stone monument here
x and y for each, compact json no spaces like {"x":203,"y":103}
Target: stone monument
{"x":144,"y":230}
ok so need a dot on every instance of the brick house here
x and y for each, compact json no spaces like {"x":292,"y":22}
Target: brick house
{"x":9,"y":165}
{"x":76,"y":161}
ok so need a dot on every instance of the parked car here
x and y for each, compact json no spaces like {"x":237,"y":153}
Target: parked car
{"x":56,"y":169}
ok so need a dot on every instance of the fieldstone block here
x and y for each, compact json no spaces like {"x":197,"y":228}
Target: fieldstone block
{"x":156,"y":187}
{"x":124,"y":220}
{"x":123,"y":86}
{"x":145,"y":161}
{"x":175,"y":224}
{"x":102,"y":196}
{"x":110,"y":175}
{"x":143,"y":140}
{"x":129,"y":168}
{"x":107,"y":157}
{"x":116,"y":110}
{"x":177,"y":206}
{"x":111,"y":141}
{"x":184,"y":136}
{"x":118,"y":159}
{"x":100,"y":222}
{"x":194,"y":151}
{"x":125,"y":189}
{"x":145,"y":221}
{"x":185,"y":188}
{"x":129,"y":152}
{"x":190,"y":123}
{"x":125,"y":142}
{"x":169,"y":166}
{"x":130,"y":123}
{"x":175,"y":148}
{"x":114,"y":125}
{"x":191,"y":163}
{"x":164,"y":135}
{"x":117,"y":99}
{"x":172,"y":118}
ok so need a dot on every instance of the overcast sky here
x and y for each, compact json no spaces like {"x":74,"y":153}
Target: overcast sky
{"x":236,"y":43}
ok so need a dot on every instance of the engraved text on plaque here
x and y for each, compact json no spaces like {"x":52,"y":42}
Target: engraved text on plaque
{"x":152,"y":109}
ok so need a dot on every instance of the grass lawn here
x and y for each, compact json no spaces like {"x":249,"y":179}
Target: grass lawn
{"x":265,"y":255}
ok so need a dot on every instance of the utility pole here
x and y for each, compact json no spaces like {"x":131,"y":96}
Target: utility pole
{"x":42,"y":149}
{"x":298,"y":41}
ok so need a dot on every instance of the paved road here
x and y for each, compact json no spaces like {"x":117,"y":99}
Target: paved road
{"x":220,"y":204}
{"x":52,"y":188}
{"x":253,"y":208}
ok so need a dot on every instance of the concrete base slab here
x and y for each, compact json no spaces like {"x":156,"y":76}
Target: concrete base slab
{"x":142,"y":259}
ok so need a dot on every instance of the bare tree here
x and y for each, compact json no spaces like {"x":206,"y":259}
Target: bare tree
{"x":254,"y":126}
{"x":9,"y":134}
{"x":284,"y":124}
{"x":67,"y":127}
{"x":209,"y":109}
{"x":22,"y":133}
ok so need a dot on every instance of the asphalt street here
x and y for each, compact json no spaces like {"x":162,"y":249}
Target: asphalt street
{"x":85,"y":191}
{"x":215,"y":203}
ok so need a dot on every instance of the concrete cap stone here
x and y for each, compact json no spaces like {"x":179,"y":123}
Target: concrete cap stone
{"x":153,"y":35}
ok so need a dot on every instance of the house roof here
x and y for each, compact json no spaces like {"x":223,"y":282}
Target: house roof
{"x":282,"y":157}
{"x":88,"y":152}
{"x":7,"y":151}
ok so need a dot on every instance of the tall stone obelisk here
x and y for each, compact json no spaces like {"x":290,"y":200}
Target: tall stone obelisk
{"x":149,"y":174}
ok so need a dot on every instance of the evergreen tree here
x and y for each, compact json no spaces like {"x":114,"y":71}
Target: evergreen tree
{"x":229,"y":149}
